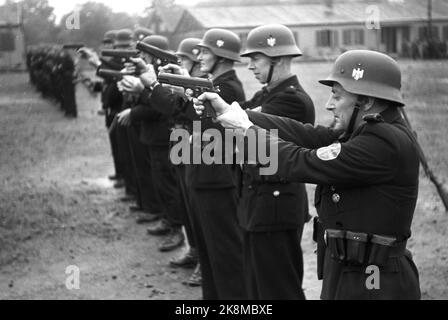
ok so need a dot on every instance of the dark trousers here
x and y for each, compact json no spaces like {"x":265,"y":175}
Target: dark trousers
{"x":69,"y":97}
{"x":219,"y":243}
{"x":273,"y":265}
{"x":111,"y":127}
{"x":185,"y":201}
{"x":150,"y":199}
{"x":146,"y":194}
{"x":124,"y":156}
{"x":166,"y":185}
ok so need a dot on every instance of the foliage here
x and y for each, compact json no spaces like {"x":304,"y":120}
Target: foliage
{"x":38,"y":19}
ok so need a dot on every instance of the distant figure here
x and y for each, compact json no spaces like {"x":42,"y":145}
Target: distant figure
{"x":68,"y":87}
{"x":405,"y":49}
{"x":415,"y":50}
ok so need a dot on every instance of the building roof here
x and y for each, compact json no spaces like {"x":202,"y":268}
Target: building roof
{"x":315,"y":14}
{"x":9,"y":15}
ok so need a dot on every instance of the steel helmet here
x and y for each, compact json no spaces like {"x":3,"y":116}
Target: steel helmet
{"x":273,"y":40}
{"x":124,"y":37}
{"x":189,"y":48}
{"x":223,"y":43}
{"x":367,"y":73}
{"x":110,"y":36}
{"x":157,"y":41}
{"x":142,"y":33}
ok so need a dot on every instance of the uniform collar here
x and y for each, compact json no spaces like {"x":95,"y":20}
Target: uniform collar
{"x":292,"y":81}
{"x":391,"y":115}
{"x":224,"y":76}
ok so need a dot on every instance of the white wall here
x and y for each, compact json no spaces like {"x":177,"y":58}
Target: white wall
{"x":14,"y":60}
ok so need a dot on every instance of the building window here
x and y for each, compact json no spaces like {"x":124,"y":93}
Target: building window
{"x":7,"y":41}
{"x":445,"y":33}
{"x":353,"y":37}
{"x":406,"y":34}
{"x":424,"y":35}
{"x":327,"y":38}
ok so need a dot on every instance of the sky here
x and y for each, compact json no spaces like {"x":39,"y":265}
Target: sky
{"x":130,"y":6}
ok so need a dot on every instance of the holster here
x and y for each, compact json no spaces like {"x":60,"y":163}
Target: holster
{"x":319,"y":238}
{"x":357,"y":248}
{"x":336,"y":244}
{"x":382,"y":248}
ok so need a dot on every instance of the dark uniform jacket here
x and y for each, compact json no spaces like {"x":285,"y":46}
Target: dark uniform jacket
{"x":271,"y":203}
{"x":155,"y":127}
{"x":111,"y":97}
{"x":368,"y":184}
{"x":205,"y":176}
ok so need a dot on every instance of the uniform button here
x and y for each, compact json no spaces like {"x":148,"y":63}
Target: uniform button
{"x":332,"y":188}
{"x":336,"y":198}
{"x":250,"y":187}
{"x":276,"y":194}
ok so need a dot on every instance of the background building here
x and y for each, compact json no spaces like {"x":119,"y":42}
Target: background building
{"x":12,"y":40}
{"x":325,"y":29}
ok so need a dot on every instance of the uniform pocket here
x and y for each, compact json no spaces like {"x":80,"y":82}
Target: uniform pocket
{"x":278,"y":206}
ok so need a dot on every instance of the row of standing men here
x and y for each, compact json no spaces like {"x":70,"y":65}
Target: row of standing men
{"x":244,"y":230}
{"x":52,"y":71}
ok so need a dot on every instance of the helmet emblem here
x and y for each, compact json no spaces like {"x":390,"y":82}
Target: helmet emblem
{"x":272,"y":41}
{"x":195,"y":51}
{"x":220,"y":43}
{"x":358,"y":74}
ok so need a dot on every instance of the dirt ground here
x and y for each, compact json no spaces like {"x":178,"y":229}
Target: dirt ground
{"x":57,"y":208}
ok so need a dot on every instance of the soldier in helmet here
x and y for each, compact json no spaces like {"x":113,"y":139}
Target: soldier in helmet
{"x":273,"y":224}
{"x":67,"y":70}
{"x":217,"y":184}
{"x":171,"y":192}
{"x":141,"y":33}
{"x":366,"y":167}
{"x":111,"y":98}
{"x":188,"y":52}
{"x":155,"y":135}
{"x":125,"y":40}
{"x":213,"y":188}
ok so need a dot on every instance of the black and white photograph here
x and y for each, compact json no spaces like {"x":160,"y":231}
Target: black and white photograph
{"x":235,"y":151}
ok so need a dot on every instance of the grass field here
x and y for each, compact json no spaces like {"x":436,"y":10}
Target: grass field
{"x":56,"y":207}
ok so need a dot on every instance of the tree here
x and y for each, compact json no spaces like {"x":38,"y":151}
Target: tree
{"x":38,"y":20}
{"x":154,"y":12}
{"x":95,"y":19}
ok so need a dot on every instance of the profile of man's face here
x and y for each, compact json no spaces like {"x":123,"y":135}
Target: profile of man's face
{"x":186,"y":62}
{"x":207,"y":60}
{"x":260,"y":65}
{"x":342,"y":104}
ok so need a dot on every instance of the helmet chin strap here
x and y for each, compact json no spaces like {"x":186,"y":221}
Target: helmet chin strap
{"x":271,"y":72}
{"x":193,"y":65}
{"x":215,"y":65}
{"x":351,"y":125}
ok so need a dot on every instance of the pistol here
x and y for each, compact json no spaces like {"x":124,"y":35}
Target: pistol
{"x":164,"y":56}
{"x":124,"y":55}
{"x":112,"y":74}
{"x":74,"y":46}
{"x":197,"y":85}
